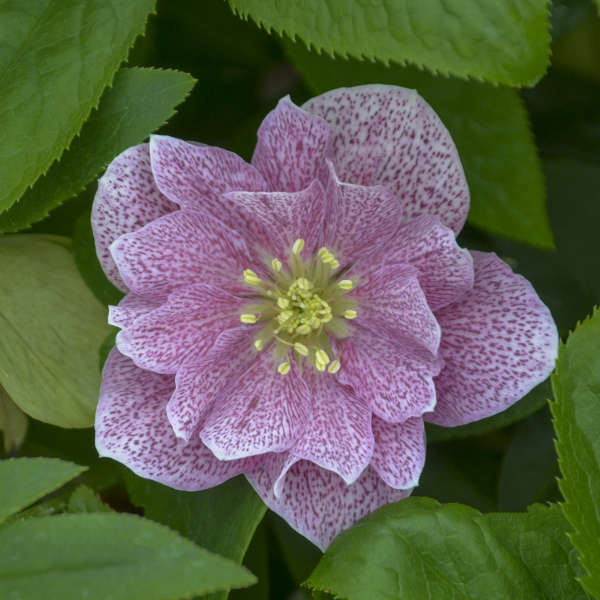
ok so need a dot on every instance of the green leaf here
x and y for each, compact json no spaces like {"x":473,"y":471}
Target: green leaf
{"x":50,"y":329}
{"x":56,"y":58}
{"x":108,"y":555}
{"x":139,"y":102}
{"x":484,"y":39}
{"x":222,"y":519}
{"x":25,"y":480}
{"x":489,"y":126}
{"x":13,"y":423}
{"x":576,"y":411}
{"x":418,"y":548}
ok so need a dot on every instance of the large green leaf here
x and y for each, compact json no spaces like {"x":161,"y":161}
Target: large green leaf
{"x":503,"y":42}
{"x":576,"y":413}
{"x":489,"y":126}
{"x":50,"y":329}
{"x":139,"y":101}
{"x":56,"y":57}
{"x":108,"y":555}
{"x":418,"y":548}
{"x":25,"y":480}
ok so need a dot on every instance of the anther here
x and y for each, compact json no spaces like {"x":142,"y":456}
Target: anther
{"x":298,"y":245}
{"x":320,"y":366}
{"x":258,"y":344}
{"x":303,"y":329}
{"x":303,"y":283}
{"x":284,"y":368}
{"x":346,"y":284}
{"x":334,"y":366}
{"x":350,"y":314}
{"x":276,"y":265}
{"x":248,"y":318}
{"x":283,"y":302}
{"x":322,"y":357}
{"x":251,"y":277}
{"x":301,"y":349}
{"x":334,"y":264}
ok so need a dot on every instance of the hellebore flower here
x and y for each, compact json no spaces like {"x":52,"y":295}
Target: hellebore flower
{"x":297,"y":318}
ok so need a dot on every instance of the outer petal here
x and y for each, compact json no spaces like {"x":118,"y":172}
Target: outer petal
{"x":127,"y":199}
{"x":338,"y":436}
{"x":317,"y":503}
{"x":182,"y":248}
{"x":194,"y":176}
{"x":497,"y":343}
{"x":392,"y":304}
{"x":292,"y":147}
{"x":200,"y":380}
{"x":129,"y":309}
{"x":189,"y":322}
{"x":395,"y":383}
{"x":399,"y":454}
{"x":389,"y":135}
{"x":132,"y":427}
{"x":261,"y":411}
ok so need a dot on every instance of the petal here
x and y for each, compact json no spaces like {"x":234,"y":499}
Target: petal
{"x":127,"y":199}
{"x":497,"y":343}
{"x":132,"y":428}
{"x":182,"y":248}
{"x":194,"y":176}
{"x":391,"y":303}
{"x":199,"y":381}
{"x":260,"y":411}
{"x":358,"y":217}
{"x":338,"y":436}
{"x":389,"y":135}
{"x":188,"y":322}
{"x":129,"y":309}
{"x":317,"y":503}
{"x":274,"y":220}
{"x":292,"y":147}
{"x":399,"y":454}
{"x":395,"y":383}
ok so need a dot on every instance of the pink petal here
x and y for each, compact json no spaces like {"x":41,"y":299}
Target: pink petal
{"x":393,"y":381}
{"x":129,"y":309}
{"x":127,"y":199}
{"x":260,"y":411}
{"x":292,"y":147}
{"x":497,"y":343}
{"x":391,"y":303}
{"x":132,"y":428}
{"x":274,"y":220}
{"x":182,"y":248}
{"x":358,"y":217}
{"x":389,"y":135}
{"x":188,"y":322}
{"x":338,"y":436}
{"x":194,"y":175}
{"x":199,"y":381}
{"x":317,"y":503}
{"x":399,"y":454}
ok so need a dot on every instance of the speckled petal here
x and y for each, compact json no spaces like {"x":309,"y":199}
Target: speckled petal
{"x":127,"y":198}
{"x":132,"y":428}
{"x":182,"y":248}
{"x":395,"y":382}
{"x":498,"y":343}
{"x":262,"y":411}
{"x":129,"y":309}
{"x":391,"y":303}
{"x":189,"y":321}
{"x":200,"y":379}
{"x":292,"y":147}
{"x":317,"y":503}
{"x":194,"y":175}
{"x":272,"y":221}
{"x":338,"y":436}
{"x":389,"y":135}
{"x":399,"y":454}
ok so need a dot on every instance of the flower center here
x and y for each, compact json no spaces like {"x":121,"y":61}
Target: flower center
{"x":302,"y":307}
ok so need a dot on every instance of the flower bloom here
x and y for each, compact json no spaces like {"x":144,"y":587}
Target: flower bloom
{"x":297,"y":318}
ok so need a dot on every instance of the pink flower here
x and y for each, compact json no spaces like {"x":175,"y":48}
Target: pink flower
{"x":296,"y":319}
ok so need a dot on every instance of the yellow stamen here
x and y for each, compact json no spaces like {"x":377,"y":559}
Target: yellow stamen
{"x":258,"y":344}
{"x":301,"y":349}
{"x":248,"y":318}
{"x":276,"y":265}
{"x":334,"y":264}
{"x":327,"y":257}
{"x":298,"y":245}
{"x":334,"y":366}
{"x":320,"y":366}
{"x":350,"y":314}
{"x":284,"y":368}
{"x":303,"y":283}
{"x":283,"y":302}
{"x":346,"y":284}
{"x":251,"y":277}
{"x":322,"y":357}
{"x":303,"y":329}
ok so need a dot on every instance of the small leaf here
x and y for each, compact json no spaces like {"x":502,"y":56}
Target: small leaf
{"x":108,"y":555}
{"x":25,"y":480}
{"x":139,"y":102}
{"x":485,"y":39}
{"x":50,"y":329}
{"x":56,"y":57}
{"x":418,"y":548}
{"x":489,"y":126}
{"x":13,"y":423}
{"x":576,"y":411}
